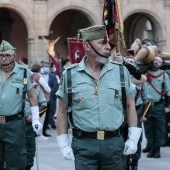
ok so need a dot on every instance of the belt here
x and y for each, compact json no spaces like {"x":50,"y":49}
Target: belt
{"x":5,"y":119}
{"x":156,"y":103}
{"x":138,"y":107}
{"x":100,"y":135}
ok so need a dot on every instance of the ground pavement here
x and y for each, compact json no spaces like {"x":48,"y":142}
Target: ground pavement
{"x":50,"y":157}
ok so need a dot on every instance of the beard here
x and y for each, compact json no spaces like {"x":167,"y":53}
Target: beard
{"x":154,"y":67}
{"x":102,"y":60}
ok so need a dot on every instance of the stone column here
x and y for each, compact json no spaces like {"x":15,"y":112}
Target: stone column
{"x":167,"y":17}
{"x":31,"y":50}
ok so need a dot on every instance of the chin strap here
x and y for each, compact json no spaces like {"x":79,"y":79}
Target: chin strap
{"x":96,"y":51}
{"x":7,"y":64}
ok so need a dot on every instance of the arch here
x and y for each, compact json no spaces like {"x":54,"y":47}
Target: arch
{"x":21,"y":12}
{"x":92,"y":15}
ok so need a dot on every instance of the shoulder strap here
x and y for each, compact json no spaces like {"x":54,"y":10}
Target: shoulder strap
{"x":163,"y":86}
{"x":24,"y":89}
{"x":122,"y":83}
{"x":69,"y":92}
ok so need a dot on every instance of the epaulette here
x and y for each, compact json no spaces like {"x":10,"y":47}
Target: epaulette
{"x":115,"y":62}
{"x":72,"y":66}
{"x":23,"y":66}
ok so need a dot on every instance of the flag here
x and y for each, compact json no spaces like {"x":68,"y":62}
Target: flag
{"x":21,"y":57}
{"x":112,"y":18}
{"x":76,"y":49}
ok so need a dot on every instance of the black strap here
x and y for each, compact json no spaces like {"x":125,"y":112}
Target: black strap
{"x":69,"y":92}
{"x":163,"y":86}
{"x":122,"y":84}
{"x":24,"y":90}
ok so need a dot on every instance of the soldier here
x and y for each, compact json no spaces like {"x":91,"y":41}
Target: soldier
{"x":30,"y":134}
{"x":96,"y":108}
{"x":15,"y":82}
{"x":158,"y":85}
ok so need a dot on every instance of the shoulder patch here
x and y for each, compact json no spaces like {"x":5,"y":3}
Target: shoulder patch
{"x":72,"y":66}
{"x":23,"y":66}
{"x":115,"y":62}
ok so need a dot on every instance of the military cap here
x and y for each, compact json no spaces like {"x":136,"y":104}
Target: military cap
{"x":93,"y":33}
{"x":4,"y":46}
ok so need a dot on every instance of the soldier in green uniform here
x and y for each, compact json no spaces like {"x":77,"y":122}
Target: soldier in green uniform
{"x":158,"y":85}
{"x":14,"y":83}
{"x":97,"y":112}
{"x":30,"y":134}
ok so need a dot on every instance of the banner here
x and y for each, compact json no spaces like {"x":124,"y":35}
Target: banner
{"x":76,"y":49}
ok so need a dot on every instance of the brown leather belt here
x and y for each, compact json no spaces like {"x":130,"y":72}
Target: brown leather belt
{"x":5,"y":119}
{"x":100,"y":135}
{"x":156,"y":103}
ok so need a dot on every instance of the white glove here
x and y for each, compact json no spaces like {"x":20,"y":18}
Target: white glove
{"x":63,"y":144}
{"x":133,"y":138}
{"x":37,"y":126}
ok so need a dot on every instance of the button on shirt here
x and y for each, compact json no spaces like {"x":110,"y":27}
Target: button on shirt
{"x":107,"y":114}
{"x":11,"y":94}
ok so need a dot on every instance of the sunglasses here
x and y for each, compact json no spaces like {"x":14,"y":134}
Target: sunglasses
{"x":6,"y":55}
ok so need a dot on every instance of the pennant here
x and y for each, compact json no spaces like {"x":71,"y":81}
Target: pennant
{"x":76,"y":50}
{"x":112,"y":18}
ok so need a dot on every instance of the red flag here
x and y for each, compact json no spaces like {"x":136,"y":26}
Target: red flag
{"x":112,"y":18}
{"x":76,"y":50}
{"x":21,"y":57}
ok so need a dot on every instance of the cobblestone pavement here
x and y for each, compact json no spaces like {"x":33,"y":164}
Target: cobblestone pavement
{"x":50,"y":157}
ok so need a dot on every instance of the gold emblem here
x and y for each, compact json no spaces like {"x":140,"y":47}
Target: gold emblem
{"x":2,"y":119}
{"x":81,"y":99}
{"x":100,"y":135}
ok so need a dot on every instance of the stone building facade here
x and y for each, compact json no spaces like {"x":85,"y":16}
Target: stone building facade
{"x":23,"y":22}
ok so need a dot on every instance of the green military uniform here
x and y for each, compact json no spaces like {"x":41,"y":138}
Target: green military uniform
{"x":155,"y":124}
{"x":91,"y":113}
{"x":30,"y":134}
{"x":12,"y":122}
{"x":12,"y":133}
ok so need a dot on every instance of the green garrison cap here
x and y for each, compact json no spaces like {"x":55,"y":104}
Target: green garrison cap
{"x":4,"y":46}
{"x":93,"y":33}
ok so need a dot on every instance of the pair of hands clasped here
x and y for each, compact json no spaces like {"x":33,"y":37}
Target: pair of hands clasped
{"x":130,"y":145}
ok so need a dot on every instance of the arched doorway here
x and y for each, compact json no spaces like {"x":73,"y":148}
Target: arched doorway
{"x":67,"y":24}
{"x":13,"y":29}
{"x":142,"y":25}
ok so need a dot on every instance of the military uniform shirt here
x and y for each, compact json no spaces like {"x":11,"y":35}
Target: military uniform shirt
{"x":40,"y":97}
{"x":11,"y":93}
{"x":107,"y":114}
{"x":151,"y":94}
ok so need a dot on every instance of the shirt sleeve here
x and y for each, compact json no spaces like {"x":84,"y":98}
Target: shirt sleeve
{"x":30,"y":80}
{"x":167,"y":83}
{"x":62,"y":91}
{"x":44,"y":84}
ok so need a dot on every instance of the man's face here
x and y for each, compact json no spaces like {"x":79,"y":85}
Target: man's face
{"x":101,"y":46}
{"x":7,"y":57}
{"x":131,"y":61}
{"x":157,"y":63}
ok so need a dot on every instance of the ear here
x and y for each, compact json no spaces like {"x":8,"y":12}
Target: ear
{"x":86,"y":46}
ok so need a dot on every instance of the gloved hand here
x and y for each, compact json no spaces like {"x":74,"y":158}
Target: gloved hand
{"x":37,"y":126}
{"x":63,"y":144}
{"x":133,"y":138}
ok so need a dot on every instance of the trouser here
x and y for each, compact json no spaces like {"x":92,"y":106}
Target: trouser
{"x":93,"y":154}
{"x":45,"y":127}
{"x":155,"y":126}
{"x":30,"y":144}
{"x":167,"y":121}
{"x":12,"y":145}
{"x":52,"y":112}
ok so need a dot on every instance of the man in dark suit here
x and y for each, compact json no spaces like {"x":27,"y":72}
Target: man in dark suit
{"x":52,"y":82}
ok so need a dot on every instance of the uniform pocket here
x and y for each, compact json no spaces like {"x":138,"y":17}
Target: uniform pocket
{"x":114,"y":95}
{"x":17,"y":89}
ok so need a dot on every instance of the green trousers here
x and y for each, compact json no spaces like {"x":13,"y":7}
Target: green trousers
{"x":30,"y":145}
{"x":12,"y":145}
{"x":93,"y":154}
{"x":155,"y":126}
